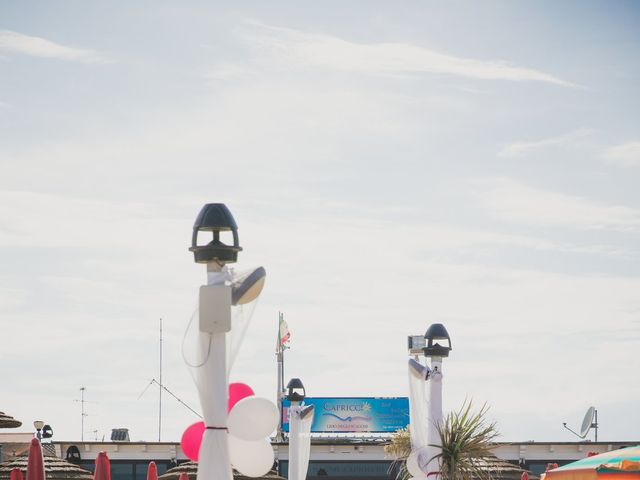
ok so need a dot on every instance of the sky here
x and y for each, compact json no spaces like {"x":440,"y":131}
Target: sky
{"x":390,"y":164}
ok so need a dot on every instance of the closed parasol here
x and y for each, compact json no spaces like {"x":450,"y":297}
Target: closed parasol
{"x":35,"y":462}
{"x":152,"y":471}
{"x":103,"y":467}
{"x":623,"y":464}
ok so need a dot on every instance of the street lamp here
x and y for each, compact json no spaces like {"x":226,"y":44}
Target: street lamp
{"x":42,"y":430}
{"x":39,"y":425}
{"x":432,"y":348}
{"x":295,"y":390}
{"x":438,"y":346}
{"x":300,"y":419}
{"x":225,"y":289}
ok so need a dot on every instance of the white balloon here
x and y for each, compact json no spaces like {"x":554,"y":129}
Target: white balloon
{"x":252,"y":459}
{"x":253,"y":418}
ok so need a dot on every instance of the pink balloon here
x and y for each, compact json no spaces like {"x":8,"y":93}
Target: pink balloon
{"x":238,"y":391}
{"x":191,"y":440}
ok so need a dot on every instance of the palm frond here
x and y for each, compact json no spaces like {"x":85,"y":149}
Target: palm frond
{"x":466,"y":441}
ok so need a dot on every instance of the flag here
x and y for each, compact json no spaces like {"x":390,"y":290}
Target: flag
{"x":283,"y":334}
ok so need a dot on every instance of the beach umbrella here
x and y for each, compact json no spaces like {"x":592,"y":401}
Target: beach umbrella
{"x":152,"y":471}
{"x":103,"y":467}
{"x":189,"y":469}
{"x":623,"y":464}
{"x":55,"y":468}
{"x":7,"y":421}
{"x":35,"y":462}
{"x":16,"y":474}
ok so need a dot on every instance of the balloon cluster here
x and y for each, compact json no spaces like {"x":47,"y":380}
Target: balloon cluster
{"x":250,"y":421}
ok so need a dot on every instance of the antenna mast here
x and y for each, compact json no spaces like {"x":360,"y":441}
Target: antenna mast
{"x":82,"y":389}
{"x":160,"y":388}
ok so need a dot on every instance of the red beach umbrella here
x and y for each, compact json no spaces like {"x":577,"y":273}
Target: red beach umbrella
{"x":35,"y":462}
{"x":152,"y":471}
{"x":103,"y":467}
{"x":16,"y":474}
{"x":184,"y":476}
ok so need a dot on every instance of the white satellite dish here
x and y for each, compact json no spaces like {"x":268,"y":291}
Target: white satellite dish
{"x":590,"y":421}
{"x":587,"y":422}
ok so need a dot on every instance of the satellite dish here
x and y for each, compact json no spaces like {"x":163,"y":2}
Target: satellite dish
{"x":587,"y":423}
{"x":590,"y":421}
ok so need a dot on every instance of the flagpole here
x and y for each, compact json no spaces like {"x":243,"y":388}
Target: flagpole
{"x":280,"y":360}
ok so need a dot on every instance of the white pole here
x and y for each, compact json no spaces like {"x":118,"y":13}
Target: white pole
{"x":280,"y":360}
{"x":213,"y":458}
{"x":294,"y":448}
{"x":435,"y":416}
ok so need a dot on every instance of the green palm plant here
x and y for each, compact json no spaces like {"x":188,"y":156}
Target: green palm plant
{"x":466,"y":440}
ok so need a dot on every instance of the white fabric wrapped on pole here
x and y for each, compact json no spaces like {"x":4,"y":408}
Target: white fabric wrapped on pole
{"x":418,"y":413}
{"x":435,"y":416}
{"x":299,"y":441}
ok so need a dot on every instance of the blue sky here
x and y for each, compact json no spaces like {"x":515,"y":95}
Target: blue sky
{"x":391,"y":166}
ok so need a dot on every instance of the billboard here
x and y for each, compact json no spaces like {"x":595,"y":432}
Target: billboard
{"x":354,"y":414}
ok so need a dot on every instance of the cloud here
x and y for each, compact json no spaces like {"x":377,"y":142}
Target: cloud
{"x":625,"y":155}
{"x":514,"y":201}
{"x":518,"y":149}
{"x":18,"y":43}
{"x":293,"y":47}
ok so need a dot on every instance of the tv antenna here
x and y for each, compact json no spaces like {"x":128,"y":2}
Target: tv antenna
{"x":82,"y":401}
{"x":153,"y":380}
{"x":589,"y":421}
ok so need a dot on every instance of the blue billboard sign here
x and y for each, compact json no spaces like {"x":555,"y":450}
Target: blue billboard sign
{"x":354,"y":414}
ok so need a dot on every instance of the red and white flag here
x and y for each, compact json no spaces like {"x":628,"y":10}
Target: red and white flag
{"x":283,"y":334}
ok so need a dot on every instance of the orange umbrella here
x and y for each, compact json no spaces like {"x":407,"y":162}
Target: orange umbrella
{"x":103,"y":467}
{"x":623,"y":464}
{"x":152,"y":471}
{"x":16,"y":474}
{"x":35,"y":462}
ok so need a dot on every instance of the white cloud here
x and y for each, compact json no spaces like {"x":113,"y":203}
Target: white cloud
{"x":626,"y":155}
{"x":293,"y":47}
{"x":517,"y":149}
{"x":514,"y":201}
{"x":15,"y":42}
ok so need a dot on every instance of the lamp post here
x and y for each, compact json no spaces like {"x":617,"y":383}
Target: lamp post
{"x":438,"y":346}
{"x":224,"y":289}
{"x":42,"y":430}
{"x":39,"y":425}
{"x":300,"y":419}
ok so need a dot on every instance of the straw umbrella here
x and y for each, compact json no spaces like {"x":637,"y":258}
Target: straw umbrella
{"x":191,"y":471}
{"x":55,"y":469}
{"x":7,"y":421}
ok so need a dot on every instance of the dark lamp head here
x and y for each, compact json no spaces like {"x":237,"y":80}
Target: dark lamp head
{"x":295,"y":390}
{"x":438,"y":343}
{"x":215,"y":218}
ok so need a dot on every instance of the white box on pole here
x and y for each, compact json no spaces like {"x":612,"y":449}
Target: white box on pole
{"x":215,"y":308}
